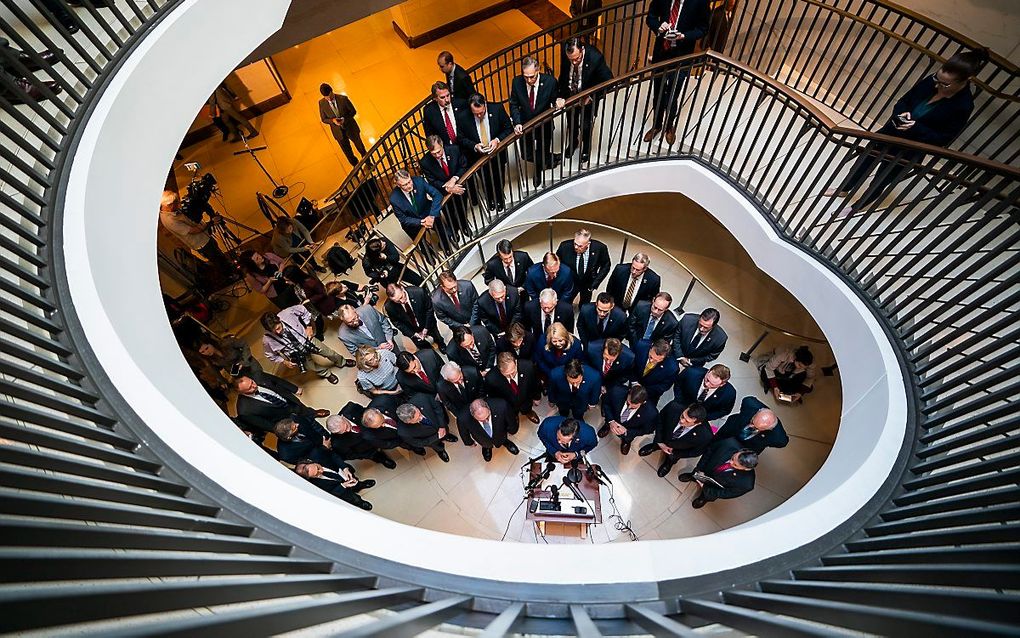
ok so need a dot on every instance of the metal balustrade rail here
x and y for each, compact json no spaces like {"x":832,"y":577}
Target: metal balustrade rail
{"x":105,"y":531}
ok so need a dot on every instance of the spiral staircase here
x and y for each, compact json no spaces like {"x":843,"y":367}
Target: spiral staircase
{"x":107,"y":530}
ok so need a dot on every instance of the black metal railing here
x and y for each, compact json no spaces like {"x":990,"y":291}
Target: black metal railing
{"x":102,"y":522}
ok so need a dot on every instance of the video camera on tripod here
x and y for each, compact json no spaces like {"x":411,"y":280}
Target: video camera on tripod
{"x":196,"y":202}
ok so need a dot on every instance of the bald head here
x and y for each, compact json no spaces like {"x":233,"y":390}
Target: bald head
{"x":764,"y":420}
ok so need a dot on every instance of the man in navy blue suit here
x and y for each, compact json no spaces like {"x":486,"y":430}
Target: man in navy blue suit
{"x":564,"y":438}
{"x":711,"y":388}
{"x":573,"y":388}
{"x":654,"y":368}
{"x":550,"y":274}
{"x":612,"y":360}
{"x":629,"y":414}
{"x":601,"y":320}
{"x":755,"y":427}
{"x":416,"y":203}
{"x":652,"y":320}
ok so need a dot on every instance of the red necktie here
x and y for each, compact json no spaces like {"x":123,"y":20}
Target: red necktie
{"x":605,"y":367}
{"x":549,"y":278}
{"x":513,"y":385}
{"x":356,"y":428}
{"x":722,"y":468}
{"x":531,"y":97}
{"x":410,"y":314}
{"x":502,"y":315}
{"x":674,"y":13}
{"x":456,"y":301}
{"x":446,"y":169}
{"x":449,"y":127}
{"x":424,"y":377}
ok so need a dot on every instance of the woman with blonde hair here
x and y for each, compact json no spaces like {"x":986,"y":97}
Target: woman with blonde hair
{"x":377,"y":371}
{"x":555,"y":348}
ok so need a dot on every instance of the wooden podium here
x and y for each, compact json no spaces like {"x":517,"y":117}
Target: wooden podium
{"x":587,"y":487}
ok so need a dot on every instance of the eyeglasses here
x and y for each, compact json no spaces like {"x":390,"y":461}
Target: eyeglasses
{"x":938,"y":82}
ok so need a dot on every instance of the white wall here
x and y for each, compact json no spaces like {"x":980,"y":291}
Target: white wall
{"x":993,"y":23}
{"x":110,"y":230}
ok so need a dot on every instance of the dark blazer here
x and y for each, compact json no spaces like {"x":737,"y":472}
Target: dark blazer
{"x":692,"y":22}
{"x":532,"y":315}
{"x":563,"y":284}
{"x":526,"y":351}
{"x":308,"y":444}
{"x":547,"y":360}
{"x":258,"y":415}
{"x":584,"y":441}
{"x":688,"y":386}
{"x":433,"y":170}
{"x":434,"y":124}
{"x":734,"y":482}
{"x":431,"y":362}
{"x":448,"y":313}
{"x":618,"y":281}
{"x":352,"y":445}
{"x":347,"y":112}
{"x":588,"y":394}
{"x":462,"y":87}
{"x":708,"y":350}
{"x":384,"y":438}
{"x":776,"y":437}
{"x":528,"y":390}
{"x":545,"y":98}
{"x":640,"y":314}
{"x":661,"y":376}
{"x":500,"y":127}
{"x":488,"y":315}
{"x":334,"y":486}
{"x":504,"y":421}
{"x":419,"y":434}
{"x":486,"y":350}
{"x":939,"y":126}
{"x":384,"y":268}
{"x":456,"y":401}
{"x":494,"y":269}
{"x":642,"y":422}
{"x":619,"y":373}
{"x":597,"y":266}
{"x":594,"y":71}
{"x":421,"y":307}
{"x":692,"y":444}
{"x":589,"y":328}
{"x":409,"y":218}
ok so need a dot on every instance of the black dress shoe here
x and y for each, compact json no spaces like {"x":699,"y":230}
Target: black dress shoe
{"x":532,"y":416}
{"x":49,"y":58}
{"x":664,"y":468}
{"x":698,"y":503}
{"x":625,"y":447}
{"x":685,"y":477}
{"x":385,"y":461}
{"x":487,"y":454}
{"x":420,"y":451}
{"x":604,"y":430}
{"x":332,"y":378}
{"x":647,"y":449}
{"x":34,"y":92}
{"x":363,"y":504}
{"x":443,"y":456}
{"x":364,"y":485}
{"x":511,"y":448}
{"x":450,"y":438}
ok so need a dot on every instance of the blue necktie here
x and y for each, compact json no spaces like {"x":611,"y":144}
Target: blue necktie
{"x":747,"y":432}
{"x":650,"y":329}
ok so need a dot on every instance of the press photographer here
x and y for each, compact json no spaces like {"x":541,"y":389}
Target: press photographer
{"x":290,"y":340}
{"x":193,"y":234}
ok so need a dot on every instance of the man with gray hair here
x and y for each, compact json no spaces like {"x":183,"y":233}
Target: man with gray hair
{"x":498,"y":307}
{"x":488,"y":422}
{"x":420,"y":430}
{"x":532,"y":93}
{"x":458,"y":387}
{"x":634,"y":282}
{"x":416,"y":204}
{"x":588,"y":260}
{"x":755,"y":427}
{"x":347,"y":439}
{"x":547,"y":309}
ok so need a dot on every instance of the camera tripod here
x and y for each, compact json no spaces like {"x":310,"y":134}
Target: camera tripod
{"x":279,"y":190}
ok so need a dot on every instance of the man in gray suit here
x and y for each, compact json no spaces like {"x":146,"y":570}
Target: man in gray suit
{"x":338,"y":111}
{"x":366,"y":326}
{"x":455,"y":301}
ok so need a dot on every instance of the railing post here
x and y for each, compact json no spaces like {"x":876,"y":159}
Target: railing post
{"x":687,"y":293}
{"x":623,"y":251}
{"x":551,"y":247}
{"x":746,"y":356}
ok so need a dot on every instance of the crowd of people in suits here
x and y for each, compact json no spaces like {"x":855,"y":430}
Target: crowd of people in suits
{"x":474,"y":380}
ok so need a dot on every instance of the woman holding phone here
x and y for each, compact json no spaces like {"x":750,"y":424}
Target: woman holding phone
{"x":933,"y":112}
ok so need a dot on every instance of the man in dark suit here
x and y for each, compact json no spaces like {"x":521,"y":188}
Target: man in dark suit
{"x":654,"y":368}
{"x":652,"y":320}
{"x":341,"y":483}
{"x":455,"y":300}
{"x":518,"y":341}
{"x":441,"y":116}
{"x":583,"y":67}
{"x":612,"y":360}
{"x":755,"y":427}
{"x":725,"y":471}
{"x":516,"y":382}
{"x":444,"y":166}
{"x":459,"y":386}
{"x":699,"y":339}
{"x":509,"y":266}
{"x":417,"y":205}
{"x":589,"y":262}
{"x":418,"y":372}
{"x":677,"y":26}
{"x":683,"y":433}
{"x":455,"y":75}
{"x":573,"y":388}
{"x":551,"y":274}
{"x":532,"y":93}
{"x":380,"y":428}
{"x":472,"y":347}
{"x":545,"y":310}
{"x":346,"y":439}
{"x":479,"y":135}
{"x":566,"y":438}
{"x":489,"y":422}
{"x":304,"y":438}
{"x":419,"y":426}
{"x":628,"y":414}
{"x":498,"y":307}
{"x":410,"y":310}
{"x":711,"y":388}
{"x":634,"y":282}
{"x":601,"y":320}
{"x":338,"y":111}
{"x":261,"y":405}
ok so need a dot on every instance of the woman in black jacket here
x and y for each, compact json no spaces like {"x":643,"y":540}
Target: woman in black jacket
{"x":933,"y":112}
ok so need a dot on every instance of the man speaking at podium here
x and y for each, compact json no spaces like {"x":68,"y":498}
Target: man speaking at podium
{"x":565,"y":438}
